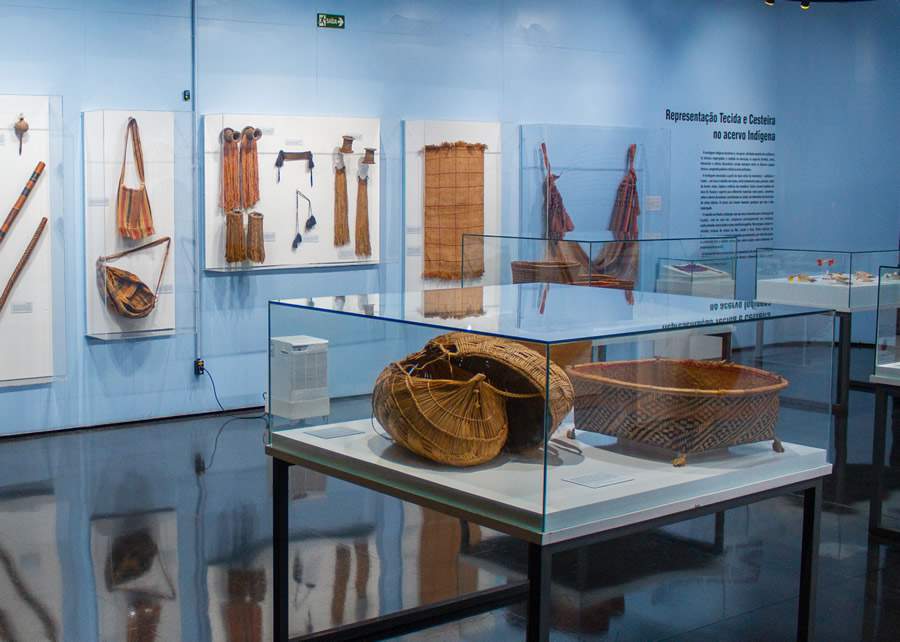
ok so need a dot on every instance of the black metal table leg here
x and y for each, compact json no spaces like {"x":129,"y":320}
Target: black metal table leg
{"x":539,"y":568}
{"x":719,"y":541}
{"x":879,"y":430}
{"x":843,"y":364}
{"x":809,"y":561}
{"x":280,"y":564}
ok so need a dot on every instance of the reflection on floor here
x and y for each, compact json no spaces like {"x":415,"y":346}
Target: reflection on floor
{"x":162,"y":532}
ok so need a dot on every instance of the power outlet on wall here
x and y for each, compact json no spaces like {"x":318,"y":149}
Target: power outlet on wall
{"x":199,"y":367}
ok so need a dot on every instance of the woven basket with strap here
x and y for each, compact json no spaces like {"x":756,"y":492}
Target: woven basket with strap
{"x":126,"y":293}
{"x":133,"y":216}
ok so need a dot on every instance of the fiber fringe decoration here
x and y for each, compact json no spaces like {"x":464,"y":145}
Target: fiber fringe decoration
{"x":621,"y":257}
{"x":230,"y":198}
{"x":249,"y":167}
{"x":341,"y":215}
{"x":235,"y":251}
{"x":363,"y":245}
{"x":256,"y":248}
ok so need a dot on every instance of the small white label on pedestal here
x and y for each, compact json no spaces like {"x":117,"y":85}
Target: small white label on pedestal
{"x":166,"y":288}
{"x":98,"y":202}
{"x":267,"y":131}
{"x":598,"y":480}
{"x":293,"y":142}
{"x":414,"y":250}
{"x":22,"y":308}
{"x":652,"y":203}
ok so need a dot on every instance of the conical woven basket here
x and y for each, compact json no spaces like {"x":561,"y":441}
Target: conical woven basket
{"x":442,"y":413}
{"x":683,"y":405}
{"x":521,"y":374}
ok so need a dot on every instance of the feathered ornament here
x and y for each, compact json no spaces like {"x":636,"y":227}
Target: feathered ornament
{"x":20,"y":128}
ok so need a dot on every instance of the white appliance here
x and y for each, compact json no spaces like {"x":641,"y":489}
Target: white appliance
{"x":299,"y":377}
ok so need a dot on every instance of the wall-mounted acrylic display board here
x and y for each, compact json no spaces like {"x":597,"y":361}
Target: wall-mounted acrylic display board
{"x":887,"y":346}
{"x":290,"y":196}
{"x":591,"y":162}
{"x":32,"y":318}
{"x":842,"y":281}
{"x":699,"y":267}
{"x":111,"y":168}
{"x":425,"y":190}
{"x":543,"y":437}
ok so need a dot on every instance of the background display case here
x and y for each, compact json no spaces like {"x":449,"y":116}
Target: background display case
{"x":887,"y":346}
{"x":698,"y":266}
{"x":842,"y":281}
{"x":513,"y":412}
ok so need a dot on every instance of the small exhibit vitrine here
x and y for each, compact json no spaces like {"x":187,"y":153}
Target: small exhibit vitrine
{"x":842,"y":281}
{"x":887,"y":341}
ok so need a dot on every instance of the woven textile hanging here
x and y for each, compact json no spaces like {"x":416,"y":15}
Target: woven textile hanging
{"x":249,"y":167}
{"x":454,"y":205}
{"x":620,"y":259}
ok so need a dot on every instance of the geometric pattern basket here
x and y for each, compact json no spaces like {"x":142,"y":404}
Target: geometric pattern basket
{"x":682,"y":405}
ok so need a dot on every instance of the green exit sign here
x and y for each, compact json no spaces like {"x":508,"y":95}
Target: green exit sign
{"x":330,"y":21}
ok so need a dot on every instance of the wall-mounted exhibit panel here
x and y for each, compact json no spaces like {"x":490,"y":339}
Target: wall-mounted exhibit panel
{"x":843,"y":281}
{"x":32,"y":310}
{"x":290,"y":191}
{"x":129,"y":226}
{"x":452,"y":187}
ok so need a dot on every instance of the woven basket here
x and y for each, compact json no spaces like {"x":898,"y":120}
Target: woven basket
{"x":544,"y":271}
{"x":521,"y":374}
{"x":441,"y":413}
{"x":682,"y":405}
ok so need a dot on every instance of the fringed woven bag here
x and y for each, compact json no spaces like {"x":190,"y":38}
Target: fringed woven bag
{"x":133,"y":216}
{"x":230,"y":198}
{"x":256,"y":248}
{"x":235,"y":249}
{"x":249,"y":167}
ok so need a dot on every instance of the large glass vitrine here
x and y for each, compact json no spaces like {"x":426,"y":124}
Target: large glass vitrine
{"x":504,"y":403}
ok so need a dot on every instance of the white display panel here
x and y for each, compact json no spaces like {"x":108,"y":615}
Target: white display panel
{"x":416,"y":135}
{"x":104,"y":148}
{"x":320,"y":135}
{"x":27,"y":322}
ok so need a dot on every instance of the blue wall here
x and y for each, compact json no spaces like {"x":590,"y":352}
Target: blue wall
{"x":831,"y":76}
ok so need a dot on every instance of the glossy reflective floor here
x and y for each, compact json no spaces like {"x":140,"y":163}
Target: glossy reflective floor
{"x":162,"y":532}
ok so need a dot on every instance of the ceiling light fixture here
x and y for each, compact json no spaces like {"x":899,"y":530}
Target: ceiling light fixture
{"x":804,"y":4}
{"x":770,"y":3}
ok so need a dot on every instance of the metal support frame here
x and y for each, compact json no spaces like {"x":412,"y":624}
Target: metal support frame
{"x":842,"y":394}
{"x":537,"y":587}
{"x":879,"y":439}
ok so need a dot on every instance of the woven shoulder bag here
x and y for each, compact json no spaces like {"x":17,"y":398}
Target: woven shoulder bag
{"x":133,"y":216}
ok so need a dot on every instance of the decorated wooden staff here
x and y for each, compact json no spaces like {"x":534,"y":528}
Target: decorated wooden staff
{"x":22,"y":262}
{"x":20,"y":202}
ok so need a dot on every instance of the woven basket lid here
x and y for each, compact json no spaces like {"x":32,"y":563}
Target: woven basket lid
{"x":444,"y":414}
{"x":520,"y":373}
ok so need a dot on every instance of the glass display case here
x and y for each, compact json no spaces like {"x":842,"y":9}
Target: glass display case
{"x":546,"y":407}
{"x":842,"y":281}
{"x":701,"y":267}
{"x":887,"y":347}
